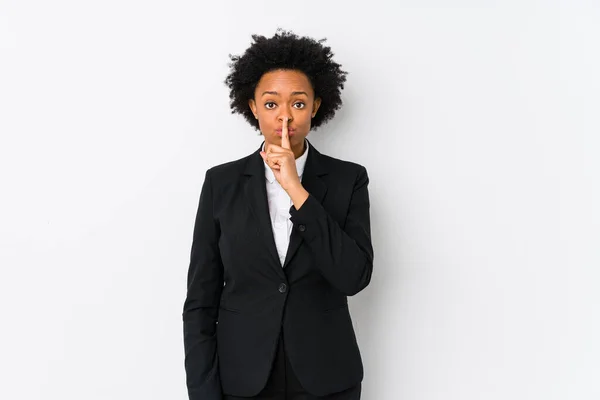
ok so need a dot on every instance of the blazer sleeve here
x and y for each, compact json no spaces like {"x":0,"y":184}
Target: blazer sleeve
{"x":344,"y":256}
{"x":201,"y":306}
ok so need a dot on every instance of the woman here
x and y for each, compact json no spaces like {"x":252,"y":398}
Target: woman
{"x":281,"y":238}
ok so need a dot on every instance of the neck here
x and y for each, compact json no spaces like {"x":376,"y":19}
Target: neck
{"x":297,"y":149}
{"x":300,"y":150}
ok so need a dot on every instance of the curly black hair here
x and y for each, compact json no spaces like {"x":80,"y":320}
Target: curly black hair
{"x":286,"y":50}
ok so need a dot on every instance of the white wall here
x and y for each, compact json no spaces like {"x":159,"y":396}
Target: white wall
{"x":477,"y":121}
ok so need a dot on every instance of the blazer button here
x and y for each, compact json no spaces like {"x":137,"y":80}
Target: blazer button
{"x":282,"y":288}
{"x":301,"y":228}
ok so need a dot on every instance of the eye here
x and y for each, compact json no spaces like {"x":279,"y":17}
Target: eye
{"x":269,"y":105}
{"x":300,"y":104}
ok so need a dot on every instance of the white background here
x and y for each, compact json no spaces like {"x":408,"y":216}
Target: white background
{"x":478,"y":124}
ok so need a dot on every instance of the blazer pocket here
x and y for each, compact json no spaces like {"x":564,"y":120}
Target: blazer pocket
{"x":331,"y":309}
{"x":232,"y":310}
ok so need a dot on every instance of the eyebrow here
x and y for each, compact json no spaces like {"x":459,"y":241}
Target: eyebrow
{"x":277,"y":94}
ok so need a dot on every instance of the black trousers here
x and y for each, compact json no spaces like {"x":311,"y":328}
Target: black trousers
{"x":284,"y":385}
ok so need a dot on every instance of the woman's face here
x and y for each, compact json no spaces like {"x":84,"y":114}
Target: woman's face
{"x":280,"y":94}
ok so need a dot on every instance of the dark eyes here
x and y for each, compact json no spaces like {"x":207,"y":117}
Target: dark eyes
{"x":271,"y":105}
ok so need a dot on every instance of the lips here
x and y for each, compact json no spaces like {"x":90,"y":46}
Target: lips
{"x":291,"y":132}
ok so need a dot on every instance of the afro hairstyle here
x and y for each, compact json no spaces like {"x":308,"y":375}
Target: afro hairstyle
{"x":286,"y":50}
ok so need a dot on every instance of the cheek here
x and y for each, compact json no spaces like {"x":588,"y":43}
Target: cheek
{"x":305,"y":118}
{"x":262,"y":120}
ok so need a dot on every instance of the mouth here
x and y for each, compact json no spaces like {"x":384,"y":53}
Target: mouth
{"x":291,"y":132}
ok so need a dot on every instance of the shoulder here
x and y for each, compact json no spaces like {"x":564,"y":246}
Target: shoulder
{"x":227,"y":170}
{"x":338,"y":163}
{"x":345,"y":168}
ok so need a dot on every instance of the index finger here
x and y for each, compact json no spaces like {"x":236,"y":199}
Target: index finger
{"x":285,"y":139}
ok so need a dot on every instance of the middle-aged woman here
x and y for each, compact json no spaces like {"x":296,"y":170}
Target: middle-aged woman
{"x":281,"y":238}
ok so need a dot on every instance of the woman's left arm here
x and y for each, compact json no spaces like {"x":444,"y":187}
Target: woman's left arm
{"x":344,"y":256}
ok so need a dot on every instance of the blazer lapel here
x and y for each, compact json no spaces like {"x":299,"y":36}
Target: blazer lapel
{"x":312,"y":182}
{"x":255,"y":192}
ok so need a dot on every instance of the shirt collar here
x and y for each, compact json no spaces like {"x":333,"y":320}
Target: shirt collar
{"x":300,"y":163}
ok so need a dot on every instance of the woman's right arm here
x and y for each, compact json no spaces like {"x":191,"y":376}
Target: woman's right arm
{"x":201,"y":307}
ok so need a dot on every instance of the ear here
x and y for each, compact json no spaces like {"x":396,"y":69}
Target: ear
{"x":316,"y":105}
{"x":252,"y":105}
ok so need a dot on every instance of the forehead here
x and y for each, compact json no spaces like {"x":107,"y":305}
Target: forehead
{"x":284,"y":81}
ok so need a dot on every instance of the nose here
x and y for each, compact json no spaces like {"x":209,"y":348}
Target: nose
{"x":285,"y":114}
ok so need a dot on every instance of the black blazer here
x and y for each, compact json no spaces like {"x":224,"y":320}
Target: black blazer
{"x":239,"y":296}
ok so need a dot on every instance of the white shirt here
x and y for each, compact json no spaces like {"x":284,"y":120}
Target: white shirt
{"x":279,"y":205}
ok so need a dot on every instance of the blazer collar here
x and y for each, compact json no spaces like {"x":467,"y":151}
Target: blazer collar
{"x":255,"y":192}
